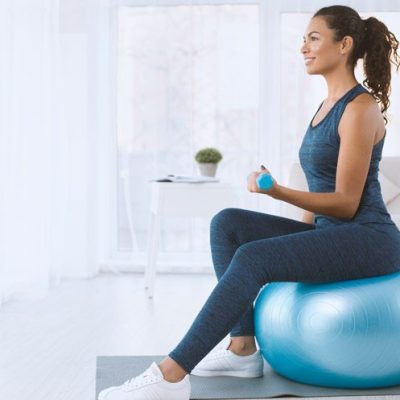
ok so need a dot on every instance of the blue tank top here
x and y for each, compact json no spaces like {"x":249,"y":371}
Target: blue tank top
{"x":318,"y":156}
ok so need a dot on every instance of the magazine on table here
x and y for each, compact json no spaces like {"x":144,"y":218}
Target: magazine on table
{"x":185,"y":179}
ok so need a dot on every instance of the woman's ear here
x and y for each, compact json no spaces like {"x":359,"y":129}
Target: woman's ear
{"x":346,"y":45}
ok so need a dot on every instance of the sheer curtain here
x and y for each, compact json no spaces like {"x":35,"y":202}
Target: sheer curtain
{"x":27,"y":47}
{"x":55,"y":143}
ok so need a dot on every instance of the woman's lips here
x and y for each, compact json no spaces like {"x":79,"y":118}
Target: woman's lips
{"x":308,"y":60}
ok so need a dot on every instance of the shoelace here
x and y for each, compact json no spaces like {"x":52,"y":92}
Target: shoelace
{"x":141,"y":380}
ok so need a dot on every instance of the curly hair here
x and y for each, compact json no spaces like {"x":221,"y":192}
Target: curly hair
{"x":373,"y":42}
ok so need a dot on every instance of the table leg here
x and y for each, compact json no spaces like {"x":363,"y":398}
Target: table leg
{"x":152,"y":252}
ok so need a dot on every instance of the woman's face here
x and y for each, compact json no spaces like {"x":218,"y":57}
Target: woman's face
{"x":321,"y":53}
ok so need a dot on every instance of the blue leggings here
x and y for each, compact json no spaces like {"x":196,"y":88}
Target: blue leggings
{"x":250,"y":249}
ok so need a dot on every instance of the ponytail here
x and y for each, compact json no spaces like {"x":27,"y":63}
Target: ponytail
{"x":381,"y":48}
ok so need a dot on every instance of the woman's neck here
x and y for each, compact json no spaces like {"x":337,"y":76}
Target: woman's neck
{"x":339,"y":85}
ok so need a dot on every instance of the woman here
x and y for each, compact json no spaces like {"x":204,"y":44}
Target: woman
{"x":346,"y":231}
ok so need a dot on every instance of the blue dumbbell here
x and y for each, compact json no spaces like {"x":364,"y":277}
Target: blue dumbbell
{"x":264,"y":181}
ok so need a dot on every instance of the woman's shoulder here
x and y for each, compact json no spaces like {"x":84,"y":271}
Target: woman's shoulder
{"x":363,"y":112}
{"x":364,"y":103}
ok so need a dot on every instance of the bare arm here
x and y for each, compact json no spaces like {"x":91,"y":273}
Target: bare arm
{"x":357,"y":130}
{"x":334,"y":204}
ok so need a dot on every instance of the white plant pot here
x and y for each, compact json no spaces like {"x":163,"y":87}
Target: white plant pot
{"x":208,"y":169}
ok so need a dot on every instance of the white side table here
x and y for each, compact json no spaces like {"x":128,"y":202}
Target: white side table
{"x":181,"y":200}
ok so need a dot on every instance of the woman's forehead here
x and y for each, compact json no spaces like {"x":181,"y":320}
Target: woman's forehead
{"x":316,"y":25}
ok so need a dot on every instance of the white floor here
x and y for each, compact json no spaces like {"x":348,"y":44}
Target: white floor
{"x":48,"y":347}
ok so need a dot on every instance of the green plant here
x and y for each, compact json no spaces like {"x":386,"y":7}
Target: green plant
{"x":208,"y":155}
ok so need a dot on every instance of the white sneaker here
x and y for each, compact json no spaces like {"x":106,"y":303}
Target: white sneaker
{"x":224,"y":362}
{"x":150,"y":385}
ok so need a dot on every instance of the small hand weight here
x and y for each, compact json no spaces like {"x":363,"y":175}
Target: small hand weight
{"x":264,"y":181}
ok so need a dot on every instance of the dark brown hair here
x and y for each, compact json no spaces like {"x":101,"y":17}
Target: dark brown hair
{"x":373,"y":42}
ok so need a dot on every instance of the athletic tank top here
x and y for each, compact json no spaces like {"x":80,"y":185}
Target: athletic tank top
{"x":318,"y":156}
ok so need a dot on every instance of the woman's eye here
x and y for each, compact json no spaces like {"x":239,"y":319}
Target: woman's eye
{"x":312,"y":38}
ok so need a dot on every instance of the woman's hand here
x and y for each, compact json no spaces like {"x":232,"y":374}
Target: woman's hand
{"x":252,"y":183}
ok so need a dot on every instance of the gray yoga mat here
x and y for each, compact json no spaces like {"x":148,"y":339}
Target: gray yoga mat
{"x":115,"y":370}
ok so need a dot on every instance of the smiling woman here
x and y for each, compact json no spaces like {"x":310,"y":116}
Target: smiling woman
{"x":354,"y":39}
{"x":306,"y":92}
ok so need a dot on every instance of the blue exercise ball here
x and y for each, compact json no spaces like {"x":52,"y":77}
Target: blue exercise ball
{"x":342,"y":335}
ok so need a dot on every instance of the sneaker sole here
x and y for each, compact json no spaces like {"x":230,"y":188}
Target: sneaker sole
{"x":237,"y":374}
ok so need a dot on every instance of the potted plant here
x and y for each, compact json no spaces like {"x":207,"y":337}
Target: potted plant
{"x":208,"y":159}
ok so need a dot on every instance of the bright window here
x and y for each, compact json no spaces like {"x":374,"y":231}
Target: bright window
{"x":187,"y":79}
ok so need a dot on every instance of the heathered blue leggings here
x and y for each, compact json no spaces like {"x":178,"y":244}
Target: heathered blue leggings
{"x":250,"y":249}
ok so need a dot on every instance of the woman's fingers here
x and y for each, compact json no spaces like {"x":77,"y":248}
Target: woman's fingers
{"x":264,"y":169}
